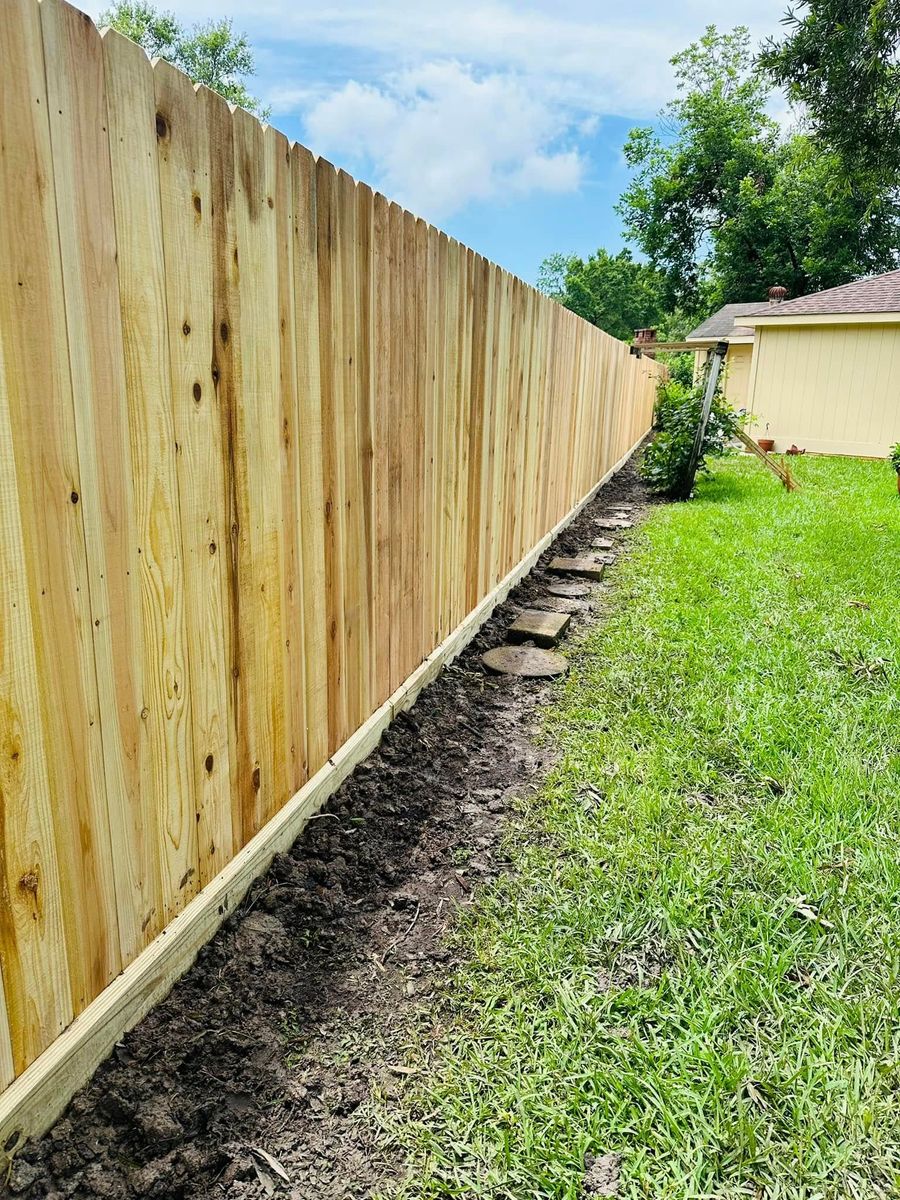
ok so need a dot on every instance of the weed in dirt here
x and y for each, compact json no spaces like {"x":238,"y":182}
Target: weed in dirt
{"x":692,"y":969}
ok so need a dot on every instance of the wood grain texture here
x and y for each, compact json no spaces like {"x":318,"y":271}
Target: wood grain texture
{"x":225,"y":370}
{"x":382,"y":435}
{"x":52,"y":778}
{"x":259,"y":500}
{"x":351,"y":565}
{"x":7,"y":1063}
{"x":37,"y":995}
{"x":266,"y":442}
{"x":331,"y":385}
{"x":158,"y":829}
{"x":395,"y":434}
{"x":364,"y":564}
{"x":278,"y":159}
{"x":309,"y":424}
{"x":186,"y":204}
{"x":76,"y":103}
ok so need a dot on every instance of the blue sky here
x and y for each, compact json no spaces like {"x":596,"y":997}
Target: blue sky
{"x":500,"y":122}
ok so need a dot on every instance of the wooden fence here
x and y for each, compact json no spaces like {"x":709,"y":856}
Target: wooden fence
{"x":266,"y":440}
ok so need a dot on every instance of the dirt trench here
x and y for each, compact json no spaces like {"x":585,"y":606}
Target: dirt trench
{"x":292,"y":1026}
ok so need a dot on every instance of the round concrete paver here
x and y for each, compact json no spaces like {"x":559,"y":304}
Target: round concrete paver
{"x":527,"y":661}
{"x":568,"y":589}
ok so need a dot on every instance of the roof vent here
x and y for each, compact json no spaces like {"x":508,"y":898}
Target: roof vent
{"x":777,"y":294}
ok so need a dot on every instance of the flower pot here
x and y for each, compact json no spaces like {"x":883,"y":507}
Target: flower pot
{"x":767,"y":444}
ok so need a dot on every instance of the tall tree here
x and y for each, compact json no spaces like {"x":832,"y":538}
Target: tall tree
{"x":840,"y":59}
{"x":612,"y":291}
{"x":211,"y":52}
{"x":725,"y":204}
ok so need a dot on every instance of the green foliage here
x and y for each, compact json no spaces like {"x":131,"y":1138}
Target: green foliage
{"x":681,"y":368}
{"x":211,"y":52}
{"x":612,"y":291}
{"x":839,"y":61}
{"x":724,"y":204}
{"x":679,"y":408}
{"x":894,"y":457}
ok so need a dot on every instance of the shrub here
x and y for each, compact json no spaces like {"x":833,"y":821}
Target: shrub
{"x":665,"y":461}
{"x":681,"y":368}
{"x":894,"y":457}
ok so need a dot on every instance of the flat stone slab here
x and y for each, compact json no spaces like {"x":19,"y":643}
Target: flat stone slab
{"x":564,"y":588}
{"x":587,"y":568}
{"x":613,"y":523}
{"x":538,"y":626}
{"x":526,"y":661}
{"x":603,"y":557}
{"x":561,"y":604}
{"x":603,"y":544}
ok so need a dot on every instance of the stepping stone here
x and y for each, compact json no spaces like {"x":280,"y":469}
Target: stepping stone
{"x":562,"y":604}
{"x":568,"y":589}
{"x":606,"y":559}
{"x":527,"y":661}
{"x":542,"y":628}
{"x":603,"y":544}
{"x":613,"y":522}
{"x":586,"y":567}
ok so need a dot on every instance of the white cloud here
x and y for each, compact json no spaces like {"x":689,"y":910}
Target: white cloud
{"x":602,"y":54}
{"x":440,"y":102}
{"x":440,"y":136}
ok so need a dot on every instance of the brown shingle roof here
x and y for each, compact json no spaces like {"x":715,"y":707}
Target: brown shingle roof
{"x":877,"y":294}
{"x":721,"y":323}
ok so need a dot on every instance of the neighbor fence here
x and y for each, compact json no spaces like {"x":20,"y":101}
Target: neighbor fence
{"x":267,"y":444}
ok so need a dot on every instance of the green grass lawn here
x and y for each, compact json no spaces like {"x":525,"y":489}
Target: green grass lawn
{"x":695,"y":961}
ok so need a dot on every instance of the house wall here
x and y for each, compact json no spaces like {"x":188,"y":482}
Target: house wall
{"x":831,"y":389}
{"x":737,"y":373}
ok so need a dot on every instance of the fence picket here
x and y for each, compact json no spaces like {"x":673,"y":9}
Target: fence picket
{"x":309,"y":435}
{"x":382,"y":434}
{"x":76,"y":104}
{"x":159,"y":834}
{"x":186,"y":211}
{"x":53,"y":788}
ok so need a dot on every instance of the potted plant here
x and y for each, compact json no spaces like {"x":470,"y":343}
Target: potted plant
{"x":894,"y":460}
{"x":766,"y":443}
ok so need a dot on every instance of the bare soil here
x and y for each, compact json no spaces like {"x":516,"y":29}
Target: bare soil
{"x":292,"y":1027}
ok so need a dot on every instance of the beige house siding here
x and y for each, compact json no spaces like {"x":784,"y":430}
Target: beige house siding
{"x":737,"y":372}
{"x":831,"y":389}
{"x":737,"y":375}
